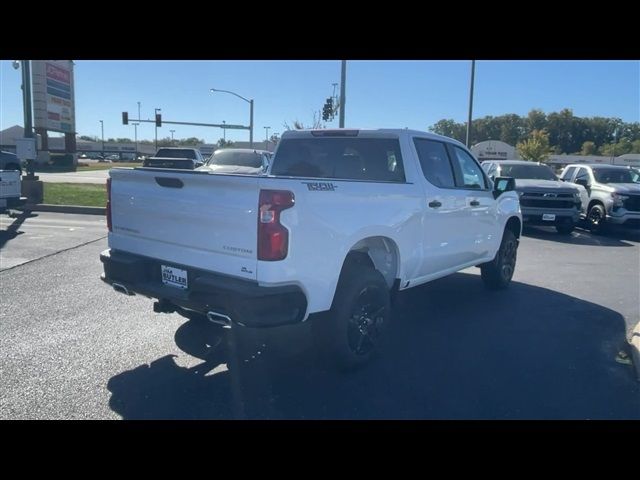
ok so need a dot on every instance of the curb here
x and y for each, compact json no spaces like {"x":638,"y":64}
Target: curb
{"x":43,"y":207}
{"x":635,"y":349}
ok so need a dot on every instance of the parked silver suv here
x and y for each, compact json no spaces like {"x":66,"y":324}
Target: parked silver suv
{"x":544,"y":200}
{"x":613,"y":196}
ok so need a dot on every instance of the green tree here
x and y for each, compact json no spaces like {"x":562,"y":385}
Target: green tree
{"x":86,"y":138}
{"x":588,"y":148}
{"x":450,"y":128}
{"x":618,"y":148}
{"x":635,"y":146}
{"x":536,"y":120}
{"x":222,"y":143}
{"x":536,"y":147}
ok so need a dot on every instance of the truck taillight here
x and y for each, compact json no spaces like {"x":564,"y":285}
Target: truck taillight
{"x":109,"y":204}
{"x":273,"y":238}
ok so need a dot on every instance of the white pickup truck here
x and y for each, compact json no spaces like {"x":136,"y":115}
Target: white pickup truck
{"x":10,"y":188}
{"x":341,"y":221}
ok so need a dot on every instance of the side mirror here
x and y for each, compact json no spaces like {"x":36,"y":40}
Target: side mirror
{"x":503,"y":184}
{"x":582,"y":181}
{"x":265,"y":163}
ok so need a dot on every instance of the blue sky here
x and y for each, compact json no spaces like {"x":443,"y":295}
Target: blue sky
{"x":412,"y":94}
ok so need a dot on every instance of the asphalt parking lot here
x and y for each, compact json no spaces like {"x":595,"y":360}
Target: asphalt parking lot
{"x":544,"y":349}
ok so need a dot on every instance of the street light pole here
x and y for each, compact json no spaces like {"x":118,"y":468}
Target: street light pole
{"x":251,"y":124}
{"x":138,"y":110}
{"x":156,"y":110}
{"x":102,"y":129}
{"x":250,"y":102}
{"x":172,"y":136}
{"x":473,"y":70}
{"x":224,"y":132}
{"x":266,"y":136}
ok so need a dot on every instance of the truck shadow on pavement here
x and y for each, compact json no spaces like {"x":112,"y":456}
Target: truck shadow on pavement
{"x":456,"y":351}
{"x":12,"y":231}
{"x":615,"y":237}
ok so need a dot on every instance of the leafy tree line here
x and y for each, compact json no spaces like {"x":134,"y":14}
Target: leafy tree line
{"x":164,"y":142}
{"x":566,"y":132}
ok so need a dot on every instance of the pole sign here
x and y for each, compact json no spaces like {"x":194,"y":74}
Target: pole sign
{"x":53,"y":95}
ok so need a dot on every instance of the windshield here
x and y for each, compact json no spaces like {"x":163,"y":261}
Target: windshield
{"x":533,"y":172}
{"x":240,"y":159}
{"x":612,"y":175}
{"x":178,"y":153}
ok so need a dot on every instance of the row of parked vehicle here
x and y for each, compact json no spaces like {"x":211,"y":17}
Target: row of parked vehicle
{"x":596,"y":194}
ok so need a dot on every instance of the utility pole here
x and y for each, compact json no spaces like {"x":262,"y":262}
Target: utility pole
{"x":224,"y":131}
{"x":102,"y":129}
{"x":172,"y":136}
{"x":266,"y":137}
{"x":343,"y":100}
{"x":135,"y":130}
{"x":473,"y":69}
{"x":138,"y":110}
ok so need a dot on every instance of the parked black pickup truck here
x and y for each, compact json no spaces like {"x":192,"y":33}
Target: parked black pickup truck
{"x":173,"y":157}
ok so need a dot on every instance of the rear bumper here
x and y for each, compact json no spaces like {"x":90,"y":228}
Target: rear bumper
{"x":12,"y":202}
{"x":244,"y":301}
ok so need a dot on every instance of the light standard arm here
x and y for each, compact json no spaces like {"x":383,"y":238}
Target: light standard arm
{"x":250,"y":102}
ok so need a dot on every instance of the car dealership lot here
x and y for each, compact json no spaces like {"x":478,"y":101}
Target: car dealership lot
{"x":545,"y":348}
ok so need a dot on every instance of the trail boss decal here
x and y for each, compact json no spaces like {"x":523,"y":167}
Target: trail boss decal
{"x":320,"y":186}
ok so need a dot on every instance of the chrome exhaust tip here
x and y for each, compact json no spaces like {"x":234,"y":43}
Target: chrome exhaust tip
{"x":219,"y":318}
{"x":118,"y":287}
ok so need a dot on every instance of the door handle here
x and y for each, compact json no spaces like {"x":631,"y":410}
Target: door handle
{"x":435,"y":204}
{"x":474,"y":203}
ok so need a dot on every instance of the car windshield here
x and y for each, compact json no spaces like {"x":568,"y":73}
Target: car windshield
{"x":533,"y":172}
{"x":240,"y":159}
{"x":612,"y":175}
{"x":177,"y":153}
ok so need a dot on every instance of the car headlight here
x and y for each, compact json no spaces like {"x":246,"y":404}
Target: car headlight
{"x":618,"y":200}
{"x":520,"y":194}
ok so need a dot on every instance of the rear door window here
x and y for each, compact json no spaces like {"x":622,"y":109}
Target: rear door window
{"x":369,"y":159}
{"x":435,"y":163}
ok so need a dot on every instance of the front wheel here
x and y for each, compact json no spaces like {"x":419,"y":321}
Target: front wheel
{"x":497,"y":273}
{"x":352,"y":331}
{"x":596,"y":218}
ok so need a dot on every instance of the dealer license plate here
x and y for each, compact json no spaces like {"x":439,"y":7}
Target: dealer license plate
{"x":549,"y":217}
{"x":174,"y":277}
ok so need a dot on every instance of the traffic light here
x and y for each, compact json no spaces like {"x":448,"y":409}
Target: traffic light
{"x":125,"y":118}
{"x":158,"y":119}
{"x":327,"y":110}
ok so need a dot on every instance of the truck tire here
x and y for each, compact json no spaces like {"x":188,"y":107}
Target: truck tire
{"x":497,"y":273}
{"x":596,"y":218}
{"x":350,"y":334}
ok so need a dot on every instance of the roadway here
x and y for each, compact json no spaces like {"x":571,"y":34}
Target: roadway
{"x":72,"y":348}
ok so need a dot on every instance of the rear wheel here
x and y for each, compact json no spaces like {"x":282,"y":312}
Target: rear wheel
{"x":497,"y":274}
{"x":353,"y":330}
{"x":596,"y":218}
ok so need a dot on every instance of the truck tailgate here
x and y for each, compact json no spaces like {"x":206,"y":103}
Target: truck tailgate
{"x":9,"y":184}
{"x":187,"y":218}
